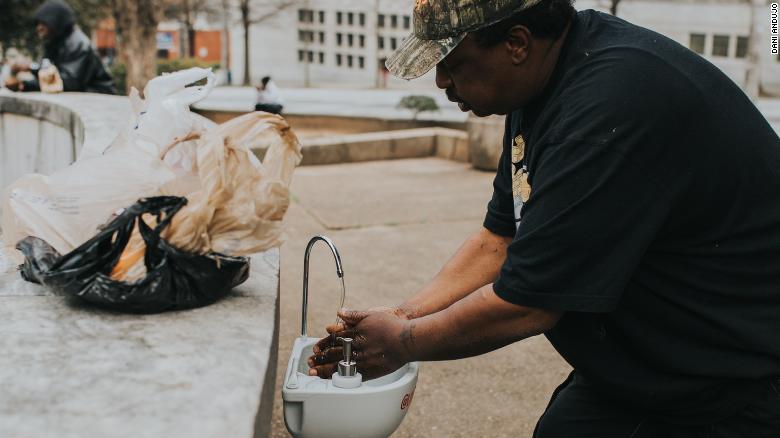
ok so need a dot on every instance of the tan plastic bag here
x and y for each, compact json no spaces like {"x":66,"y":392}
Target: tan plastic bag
{"x":240,"y":204}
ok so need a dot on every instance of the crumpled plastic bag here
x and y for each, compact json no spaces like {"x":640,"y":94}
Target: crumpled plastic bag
{"x":205,"y":202}
{"x":67,"y":207}
{"x":240,"y":202}
{"x":175,"y":279}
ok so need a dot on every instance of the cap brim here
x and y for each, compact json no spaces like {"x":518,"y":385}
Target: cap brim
{"x":416,"y":56}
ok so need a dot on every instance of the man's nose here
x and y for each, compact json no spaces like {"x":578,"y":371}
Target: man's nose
{"x":443,"y":79}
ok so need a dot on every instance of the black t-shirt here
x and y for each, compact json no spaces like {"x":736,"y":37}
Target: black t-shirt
{"x":651,"y":218}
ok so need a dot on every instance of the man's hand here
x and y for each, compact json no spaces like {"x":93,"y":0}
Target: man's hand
{"x":324,"y":361}
{"x":14,"y":84}
{"x":19,"y":67}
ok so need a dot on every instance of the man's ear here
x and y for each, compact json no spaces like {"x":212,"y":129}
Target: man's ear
{"x":518,"y":43}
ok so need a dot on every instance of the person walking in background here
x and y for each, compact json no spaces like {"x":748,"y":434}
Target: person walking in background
{"x":269,"y":99}
{"x":68,"y":49}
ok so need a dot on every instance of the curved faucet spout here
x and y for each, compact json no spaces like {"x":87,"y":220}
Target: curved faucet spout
{"x":339,"y":272}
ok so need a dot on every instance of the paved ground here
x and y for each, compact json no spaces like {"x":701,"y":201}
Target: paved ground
{"x":380,"y":103}
{"x":395,"y":224}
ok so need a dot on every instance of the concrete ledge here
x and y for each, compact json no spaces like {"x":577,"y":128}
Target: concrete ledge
{"x":93,"y":119}
{"x":410,"y":143}
{"x":71,"y":370}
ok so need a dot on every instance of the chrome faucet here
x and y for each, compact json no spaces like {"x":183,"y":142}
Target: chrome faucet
{"x":339,"y":272}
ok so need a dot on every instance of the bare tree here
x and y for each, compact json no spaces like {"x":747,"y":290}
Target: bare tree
{"x":256,"y":12}
{"x":187,"y":12}
{"x":225,"y":44}
{"x":752,"y":74}
{"x":613,"y":7}
{"x":136,"y":29}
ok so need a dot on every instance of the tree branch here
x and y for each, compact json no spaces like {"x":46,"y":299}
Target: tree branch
{"x":276,"y":10}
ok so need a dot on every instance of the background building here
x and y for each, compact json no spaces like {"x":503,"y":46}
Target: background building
{"x":327,"y":43}
{"x":343,"y":43}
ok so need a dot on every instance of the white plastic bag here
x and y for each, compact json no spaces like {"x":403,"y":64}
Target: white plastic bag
{"x":67,"y":207}
{"x":238,"y":206}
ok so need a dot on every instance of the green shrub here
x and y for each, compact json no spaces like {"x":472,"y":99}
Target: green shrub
{"x":418,"y":104}
{"x":119,"y":71}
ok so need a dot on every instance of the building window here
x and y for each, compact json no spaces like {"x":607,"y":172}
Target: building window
{"x":300,"y":56}
{"x":350,"y":61}
{"x":305,"y":16}
{"x":393,"y":43}
{"x":339,"y":17}
{"x":322,"y":37}
{"x":362,"y":39}
{"x":697,"y":43}
{"x":339,"y":39}
{"x":381,"y":42}
{"x":338,"y":59}
{"x":310,"y":56}
{"x":322,"y":17}
{"x":321,"y":56}
{"x":407,"y":22}
{"x":380,"y":20}
{"x":350,"y":18}
{"x":742,"y":46}
{"x":361,"y":62}
{"x":720,"y":45}
{"x":394,"y":21}
{"x":350,"y":40}
{"x":306,"y":36}
{"x":362,"y":19}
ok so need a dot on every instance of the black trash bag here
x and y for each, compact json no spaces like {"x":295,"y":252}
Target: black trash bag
{"x":175,"y":279}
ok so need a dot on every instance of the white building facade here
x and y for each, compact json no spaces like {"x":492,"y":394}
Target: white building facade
{"x":343,"y":43}
{"x":335,"y":43}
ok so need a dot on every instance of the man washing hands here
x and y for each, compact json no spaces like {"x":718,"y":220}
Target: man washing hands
{"x":634,"y":221}
{"x":437,"y":325}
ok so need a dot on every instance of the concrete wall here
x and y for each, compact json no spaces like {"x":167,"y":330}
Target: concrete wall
{"x":444,"y":143}
{"x":32,"y":145}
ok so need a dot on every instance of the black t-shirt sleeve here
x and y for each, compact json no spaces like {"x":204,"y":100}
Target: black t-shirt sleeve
{"x":597,"y":199}
{"x":500,"y":218}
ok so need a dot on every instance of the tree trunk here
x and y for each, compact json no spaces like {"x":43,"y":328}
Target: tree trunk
{"x":246,"y":22}
{"x":189,"y":32}
{"x":613,"y":7}
{"x":136,"y":28}
{"x":753,"y":71}
{"x":191,"y":39}
{"x":225,"y":42}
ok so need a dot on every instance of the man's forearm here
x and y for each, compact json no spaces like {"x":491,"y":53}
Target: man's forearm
{"x":476,"y":263}
{"x":477,"y":324}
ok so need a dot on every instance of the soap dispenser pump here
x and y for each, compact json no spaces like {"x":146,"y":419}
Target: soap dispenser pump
{"x":347,"y":376}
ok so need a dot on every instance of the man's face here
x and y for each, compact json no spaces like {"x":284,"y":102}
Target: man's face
{"x":484,"y":80}
{"x":42,"y":30}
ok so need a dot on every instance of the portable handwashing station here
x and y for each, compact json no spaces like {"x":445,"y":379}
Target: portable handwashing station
{"x":345,"y":406}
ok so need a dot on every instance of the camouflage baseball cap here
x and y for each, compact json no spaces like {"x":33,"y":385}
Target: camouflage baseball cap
{"x":440,"y":25}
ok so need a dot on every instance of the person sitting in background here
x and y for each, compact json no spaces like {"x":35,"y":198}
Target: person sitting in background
{"x":68,"y":49}
{"x":269,"y":99}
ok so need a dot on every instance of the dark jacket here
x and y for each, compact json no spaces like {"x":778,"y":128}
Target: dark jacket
{"x":71,"y":51}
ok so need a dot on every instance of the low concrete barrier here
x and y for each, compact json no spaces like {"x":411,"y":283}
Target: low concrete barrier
{"x":71,"y":370}
{"x":409,"y":143}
